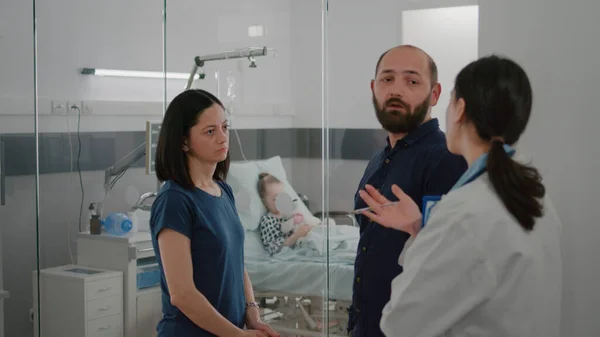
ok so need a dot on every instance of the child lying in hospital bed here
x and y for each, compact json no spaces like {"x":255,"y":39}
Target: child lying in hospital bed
{"x":280,"y":233}
{"x":276,"y":232}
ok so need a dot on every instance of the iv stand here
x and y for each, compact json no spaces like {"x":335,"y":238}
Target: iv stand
{"x":140,"y":151}
{"x":234,"y":54}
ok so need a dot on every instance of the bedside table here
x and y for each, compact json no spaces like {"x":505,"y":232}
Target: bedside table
{"x":78,"y":301}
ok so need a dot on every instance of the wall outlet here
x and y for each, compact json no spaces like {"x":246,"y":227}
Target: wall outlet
{"x":75,"y":107}
{"x":59,"y":107}
{"x":31,"y":315}
{"x":86,"y":108}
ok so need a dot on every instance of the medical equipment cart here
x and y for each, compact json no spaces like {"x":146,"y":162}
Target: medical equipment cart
{"x":133,"y":255}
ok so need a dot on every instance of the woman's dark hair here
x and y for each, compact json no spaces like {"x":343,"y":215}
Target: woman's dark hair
{"x":181,"y":115}
{"x":265,"y":179}
{"x":498,"y":99}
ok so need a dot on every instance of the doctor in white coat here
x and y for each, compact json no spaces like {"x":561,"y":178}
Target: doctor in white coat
{"x":484,"y":260}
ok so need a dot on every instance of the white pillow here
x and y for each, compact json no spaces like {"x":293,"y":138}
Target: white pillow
{"x":243,"y":179}
{"x":253,"y":247}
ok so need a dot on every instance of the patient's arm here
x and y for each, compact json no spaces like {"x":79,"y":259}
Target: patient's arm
{"x":175,"y":253}
{"x":300,"y":233}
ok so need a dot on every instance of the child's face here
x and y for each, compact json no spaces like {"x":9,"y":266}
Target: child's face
{"x":272,"y":191}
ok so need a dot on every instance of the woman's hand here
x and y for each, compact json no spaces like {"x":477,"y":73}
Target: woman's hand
{"x":256,"y":326}
{"x":404,"y":216}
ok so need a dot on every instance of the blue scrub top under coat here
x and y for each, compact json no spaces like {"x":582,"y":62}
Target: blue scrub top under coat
{"x":217,"y":239}
{"x":473,"y":172}
{"x":478,"y":167}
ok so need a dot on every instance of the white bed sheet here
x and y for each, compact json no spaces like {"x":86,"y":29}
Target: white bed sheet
{"x":298,"y":271}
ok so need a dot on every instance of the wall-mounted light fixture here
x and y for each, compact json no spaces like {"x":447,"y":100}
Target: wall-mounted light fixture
{"x":256,"y":31}
{"x":136,"y":73}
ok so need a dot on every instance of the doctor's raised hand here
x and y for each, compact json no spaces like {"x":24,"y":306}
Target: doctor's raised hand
{"x":404,"y":216}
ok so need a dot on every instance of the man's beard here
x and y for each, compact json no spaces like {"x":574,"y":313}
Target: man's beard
{"x":396,"y":121}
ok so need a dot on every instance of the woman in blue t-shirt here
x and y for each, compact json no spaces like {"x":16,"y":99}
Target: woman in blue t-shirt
{"x":196,"y":231}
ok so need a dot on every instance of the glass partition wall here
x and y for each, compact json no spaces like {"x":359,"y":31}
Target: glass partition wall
{"x":100,"y":79}
{"x":82,"y":93}
{"x":84,"y":86}
{"x":18,"y":178}
{"x":358,"y":33}
{"x":264,"y":60}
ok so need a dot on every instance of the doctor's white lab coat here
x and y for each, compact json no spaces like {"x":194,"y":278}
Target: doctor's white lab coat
{"x":473,"y":271}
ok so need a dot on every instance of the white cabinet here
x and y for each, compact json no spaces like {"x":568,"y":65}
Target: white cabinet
{"x":148,"y":310}
{"x":78,"y":301}
{"x":130,"y":254}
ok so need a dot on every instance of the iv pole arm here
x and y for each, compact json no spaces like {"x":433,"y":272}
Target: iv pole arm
{"x":140,"y":151}
{"x":123,"y":164}
{"x":233,"y":54}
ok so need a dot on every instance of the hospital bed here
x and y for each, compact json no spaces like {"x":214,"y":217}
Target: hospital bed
{"x":293,"y":282}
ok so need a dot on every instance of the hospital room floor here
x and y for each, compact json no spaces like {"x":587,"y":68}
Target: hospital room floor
{"x":288,"y":319}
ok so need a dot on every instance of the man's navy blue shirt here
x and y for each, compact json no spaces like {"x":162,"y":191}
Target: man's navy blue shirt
{"x":420,"y":164}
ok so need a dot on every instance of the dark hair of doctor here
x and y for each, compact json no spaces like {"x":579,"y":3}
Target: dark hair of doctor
{"x":182,"y":114}
{"x":498,"y":101}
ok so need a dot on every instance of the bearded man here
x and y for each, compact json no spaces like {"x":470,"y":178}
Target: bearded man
{"x":415,"y":158}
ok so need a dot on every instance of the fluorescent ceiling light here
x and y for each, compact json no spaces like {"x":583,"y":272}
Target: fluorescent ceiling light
{"x":256,"y":31}
{"x":136,"y":73}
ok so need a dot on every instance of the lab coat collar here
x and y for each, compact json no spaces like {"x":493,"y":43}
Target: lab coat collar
{"x":478,"y":167}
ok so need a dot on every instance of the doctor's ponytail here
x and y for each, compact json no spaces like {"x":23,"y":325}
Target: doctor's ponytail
{"x":498,"y":100}
{"x":519,"y":186}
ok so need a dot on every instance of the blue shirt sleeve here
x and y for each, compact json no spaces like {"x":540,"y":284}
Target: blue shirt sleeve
{"x":173,"y":210}
{"x":229,"y":193}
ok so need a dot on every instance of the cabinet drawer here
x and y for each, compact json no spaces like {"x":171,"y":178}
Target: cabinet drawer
{"x":144,"y":249}
{"x":111,"y":326}
{"x":103,"y":289}
{"x":104,"y":307}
